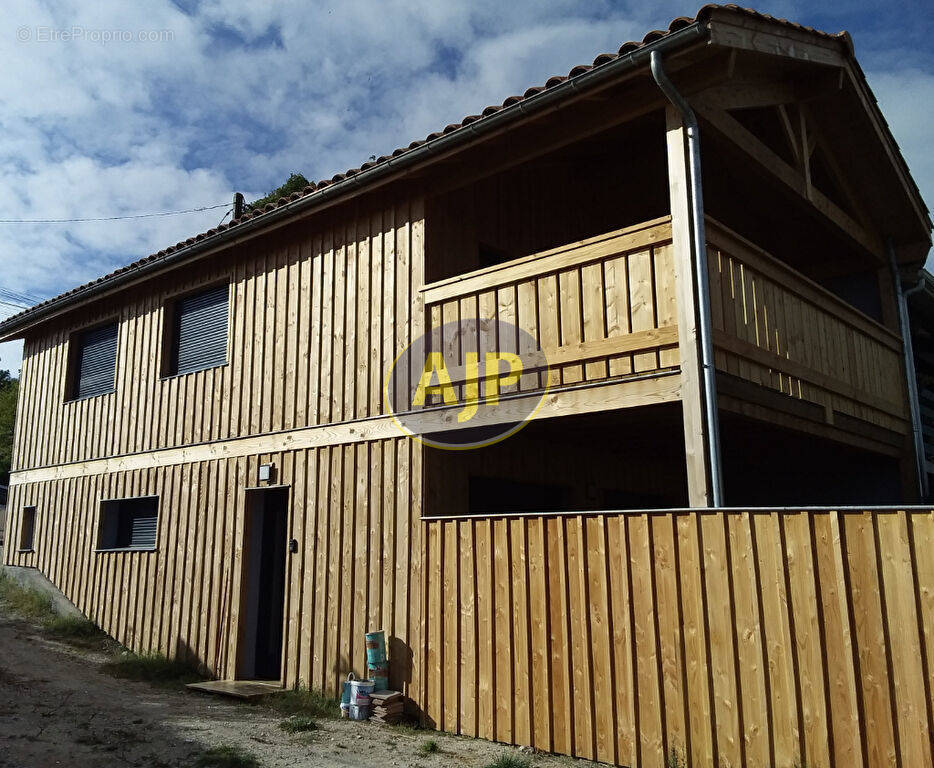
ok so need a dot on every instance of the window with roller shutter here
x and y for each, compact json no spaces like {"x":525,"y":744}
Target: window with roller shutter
{"x":198,"y":325}
{"x":93,"y":362}
{"x":129,"y":524}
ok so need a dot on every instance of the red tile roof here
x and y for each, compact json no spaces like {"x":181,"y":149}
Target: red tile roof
{"x":604,"y":58}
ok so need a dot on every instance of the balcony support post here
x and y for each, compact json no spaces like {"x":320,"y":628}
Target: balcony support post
{"x":695,"y":331}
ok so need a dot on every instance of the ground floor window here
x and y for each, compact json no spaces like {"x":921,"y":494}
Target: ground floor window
{"x":128,"y":523}
{"x":27,"y":529}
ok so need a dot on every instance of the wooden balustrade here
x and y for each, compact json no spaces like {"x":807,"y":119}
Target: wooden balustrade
{"x":598,"y":309}
{"x":775,"y":327}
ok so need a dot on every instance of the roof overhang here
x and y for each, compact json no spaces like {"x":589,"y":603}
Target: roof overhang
{"x":726,"y":27}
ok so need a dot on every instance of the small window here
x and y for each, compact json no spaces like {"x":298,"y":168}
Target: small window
{"x":129,"y":523}
{"x":197,"y":326}
{"x":94,"y":362}
{"x":27,"y":530}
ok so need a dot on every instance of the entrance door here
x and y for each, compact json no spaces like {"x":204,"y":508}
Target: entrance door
{"x":260,"y":657}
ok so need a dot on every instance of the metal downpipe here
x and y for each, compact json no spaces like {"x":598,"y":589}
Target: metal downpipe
{"x":914,"y":405}
{"x":702,"y":283}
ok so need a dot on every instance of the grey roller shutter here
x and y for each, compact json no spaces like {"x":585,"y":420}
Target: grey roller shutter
{"x":96,"y":361}
{"x":201,"y":330}
{"x":142,"y":528}
{"x":129,"y":523}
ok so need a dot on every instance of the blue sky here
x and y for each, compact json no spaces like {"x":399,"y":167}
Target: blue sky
{"x":161,"y":106}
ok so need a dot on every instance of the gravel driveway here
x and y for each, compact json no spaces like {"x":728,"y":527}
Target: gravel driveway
{"x":58,"y":709}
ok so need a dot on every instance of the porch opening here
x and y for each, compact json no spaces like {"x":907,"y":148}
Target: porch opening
{"x":626,"y":459}
{"x":765,"y":465}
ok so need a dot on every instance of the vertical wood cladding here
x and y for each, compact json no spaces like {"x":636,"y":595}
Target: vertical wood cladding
{"x":318,"y":313}
{"x":354,"y":509}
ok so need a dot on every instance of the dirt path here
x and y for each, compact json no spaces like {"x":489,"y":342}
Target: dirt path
{"x":58,"y":709}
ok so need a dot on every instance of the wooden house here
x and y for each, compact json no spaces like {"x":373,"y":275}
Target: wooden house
{"x":207,"y":465}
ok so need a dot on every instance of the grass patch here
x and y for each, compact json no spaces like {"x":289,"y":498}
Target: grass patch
{"x":29,"y":604}
{"x":298,"y":724}
{"x":509,"y":760}
{"x":429,"y":747}
{"x":33,"y":606}
{"x":304,"y":702}
{"x":152,"y":668}
{"x":226,"y":756}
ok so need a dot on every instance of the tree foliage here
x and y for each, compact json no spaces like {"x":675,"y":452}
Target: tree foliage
{"x":9,"y":391}
{"x":296,"y":183}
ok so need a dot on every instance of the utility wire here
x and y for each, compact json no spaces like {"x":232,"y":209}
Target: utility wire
{"x":27,"y":298}
{"x":113,"y":218}
{"x":11,"y":304}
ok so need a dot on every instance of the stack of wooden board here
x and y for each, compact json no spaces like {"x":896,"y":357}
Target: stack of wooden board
{"x":386,"y":707}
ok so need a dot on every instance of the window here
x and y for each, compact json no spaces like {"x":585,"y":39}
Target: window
{"x":94,"y":361}
{"x":198,"y":331}
{"x":129,"y":523}
{"x":27,"y":529}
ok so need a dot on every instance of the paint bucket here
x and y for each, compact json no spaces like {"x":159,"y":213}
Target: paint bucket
{"x":359,"y":713}
{"x":375,"y":647}
{"x":345,"y":695}
{"x":379,"y":673}
{"x":360,"y":691}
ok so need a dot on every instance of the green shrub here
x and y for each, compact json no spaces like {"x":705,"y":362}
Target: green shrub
{"x":302,"y":701}
{"x":295,"y":183}
{"x":298,"y":724}
{"x":152,"y":668}
{"x":509,"y":760}
{"x":226,"y":756}
{"x":429,"y":747}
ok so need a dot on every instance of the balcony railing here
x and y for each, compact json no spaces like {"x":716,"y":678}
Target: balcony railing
{"x":775,"y":327}
{"x":599,"y":309}
{"x":605,"y":308}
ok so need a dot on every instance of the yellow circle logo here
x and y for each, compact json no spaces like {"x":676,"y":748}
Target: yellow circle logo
{"x":467,"y":383}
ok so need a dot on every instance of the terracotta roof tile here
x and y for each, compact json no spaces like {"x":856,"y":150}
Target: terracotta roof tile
{"x":604,"y":58}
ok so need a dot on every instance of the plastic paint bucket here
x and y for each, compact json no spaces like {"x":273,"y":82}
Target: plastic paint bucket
{"x":360,"y":691}
{"x":375,"y":647}
{"x":359,"y":713}
{"x":345,"y":695}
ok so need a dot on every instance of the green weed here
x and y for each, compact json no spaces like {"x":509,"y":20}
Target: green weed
{"x":298,"y":724}
{"x":226,"y":756}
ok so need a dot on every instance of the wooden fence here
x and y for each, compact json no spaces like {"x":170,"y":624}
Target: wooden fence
{"x":735,"y":638}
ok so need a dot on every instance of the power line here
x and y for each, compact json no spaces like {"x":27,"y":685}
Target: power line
{"x":21,"y":297}
{"x":10,"y":304}
{"x":113,"y":218}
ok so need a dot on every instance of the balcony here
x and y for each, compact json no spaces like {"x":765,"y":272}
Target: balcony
{"x":603,"y":311}
{"x":775,"y":328}
{"x":600,"y":309}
